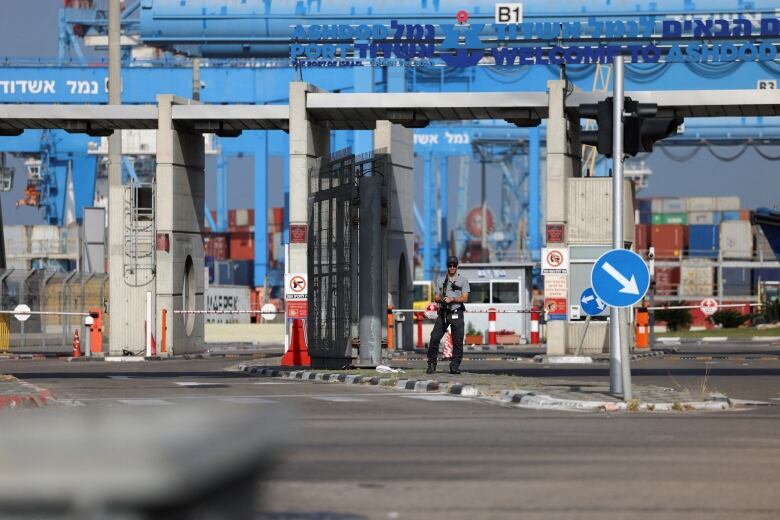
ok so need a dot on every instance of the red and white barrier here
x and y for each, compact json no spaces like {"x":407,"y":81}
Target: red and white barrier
{"x":534,"y":327}
{"x":491,"y":326}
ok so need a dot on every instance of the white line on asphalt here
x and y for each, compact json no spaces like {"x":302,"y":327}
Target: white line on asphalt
{"x":435,"y":397}
{"x":248,"y":400}
{"x":195,"y":383}
{"x":145,"y":402}
{"x":340,"y":399}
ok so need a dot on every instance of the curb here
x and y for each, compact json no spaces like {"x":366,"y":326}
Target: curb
{"x":37,"y":398}
{"x":518,"y":398}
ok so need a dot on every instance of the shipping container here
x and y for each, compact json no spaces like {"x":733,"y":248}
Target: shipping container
{"x":209,"y":263}
{"x":763,"y":247}
{"x":243,"y":272}
{"x":728,"y":203}
{"x":701,"y":217}
{"x":696,"y":278}
{"x":227,"y":298}
{"x":45,"y":240}
{"x":642,"y":238}
{"x":644,"y":205}
{"x":670,"y":218}
{"x":730,"y":215}
{"x":765,"y":274}
{"x":16,"y":240}
{"x":736,"y":281}
{"x":736,"y":239}
{"x":243,"y":218}
{"x":674,"y":206}
{"x":657,"y":205}
{"x":701,"y":204}
{"x":242,"y":246}
{"x":744,"y":214}
{"x":223,"y":273}
{"x":669,"y":240}
{"x":703,"y":241}
{"x":217,"y":246}
{"x":667,"y":281}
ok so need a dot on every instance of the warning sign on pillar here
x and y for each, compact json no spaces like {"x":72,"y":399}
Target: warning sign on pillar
{"x":708,"y":306}
{"x":295,"y":286}
{"x":556,"y":288}
{"x":555,"y":260}
{"x":297,"y":309}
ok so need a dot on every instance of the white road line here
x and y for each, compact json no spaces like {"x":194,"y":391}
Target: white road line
{"x":196,"y":383}
{"x":436,"y":397}
{"x":248,"y":400}
{"x":145,"y":402}
{"x":340,"y":399}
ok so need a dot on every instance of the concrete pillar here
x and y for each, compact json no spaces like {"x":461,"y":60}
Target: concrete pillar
{"x":180,"y":197}
{"x":563,"y":162}
{"x":309,"y":142}
{"x":397,"y":142}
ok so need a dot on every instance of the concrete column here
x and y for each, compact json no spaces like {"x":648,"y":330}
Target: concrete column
{"x":309,"y":142}
{"x":563,"y":162}
{"x":180,"y":196}
{"x":397,"y":142}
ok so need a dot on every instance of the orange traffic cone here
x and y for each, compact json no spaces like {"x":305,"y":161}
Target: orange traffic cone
{"x":76,"y":344}
{"x":298,"y":353}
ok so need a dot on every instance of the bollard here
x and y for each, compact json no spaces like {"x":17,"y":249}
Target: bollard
{"x":419,"y":317}
{"x":491,"y":326}
{"x":76,"y":345}
{"x":642,"y":328}
{"x":390,"y":328}
{"x":534,"y":327}
{"x":164,"y":330}
{"x":88,"y":322}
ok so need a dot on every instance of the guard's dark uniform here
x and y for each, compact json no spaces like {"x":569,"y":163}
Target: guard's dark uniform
{"x":449,"y":316}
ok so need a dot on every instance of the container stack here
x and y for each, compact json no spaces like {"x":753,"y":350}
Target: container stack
{"x":230,"y":256}
{"x":690,"y":235}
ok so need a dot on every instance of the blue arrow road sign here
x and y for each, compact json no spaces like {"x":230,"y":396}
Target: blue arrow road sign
{"x":590,"y":303}
{"x":620,"y":278}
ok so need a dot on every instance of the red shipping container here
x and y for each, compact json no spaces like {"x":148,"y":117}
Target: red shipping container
{"x":669,"y":240}
{"x":231,"y":218}
{"x":667,"y":281}
{"x":220,"y":248}
{"x":208,"y":246}
{"x":242,"y":245}
{"x":642,"y":238}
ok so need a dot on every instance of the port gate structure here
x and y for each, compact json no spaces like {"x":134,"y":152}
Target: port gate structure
{"x":309,"y":118}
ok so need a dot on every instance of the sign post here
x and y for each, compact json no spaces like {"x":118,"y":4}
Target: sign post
{"x":591,"y":305}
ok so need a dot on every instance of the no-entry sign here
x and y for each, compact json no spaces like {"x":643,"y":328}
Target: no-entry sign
{"x":708,"y":306}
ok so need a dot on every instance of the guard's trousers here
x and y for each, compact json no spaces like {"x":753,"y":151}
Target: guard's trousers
{"x":455,"y":323}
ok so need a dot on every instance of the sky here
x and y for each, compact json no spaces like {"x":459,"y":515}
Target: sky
{"x":28,"y":29}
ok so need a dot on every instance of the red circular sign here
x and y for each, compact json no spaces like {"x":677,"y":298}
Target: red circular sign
{"x":554,"y":258}
{"x":297,"y":284}
{"x":708,"y":306}
{"x":462,"y":16}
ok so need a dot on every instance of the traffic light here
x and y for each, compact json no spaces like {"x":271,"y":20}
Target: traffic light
{"x":601,"y":138}
{"x":640,"y":126}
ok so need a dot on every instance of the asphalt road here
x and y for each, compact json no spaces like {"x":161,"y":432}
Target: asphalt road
{"x":365,"y":452}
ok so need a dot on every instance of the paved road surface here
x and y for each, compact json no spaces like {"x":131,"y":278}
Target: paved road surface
{"x":373,"y":453}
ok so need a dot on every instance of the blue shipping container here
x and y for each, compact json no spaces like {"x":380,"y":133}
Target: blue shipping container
{"x":736,"y":281}
{"x":645,"y":218}
{"x":243,"y":272}
{"x":703,"y":240}
{"x":209,"y":262}
{"x":765,"y":274}
{"x":731,"y":215}
{"x":644,"y":206}
{"x":223,"y":272}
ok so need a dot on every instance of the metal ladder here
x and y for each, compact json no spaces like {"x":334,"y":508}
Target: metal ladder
{"x":139,"y":238}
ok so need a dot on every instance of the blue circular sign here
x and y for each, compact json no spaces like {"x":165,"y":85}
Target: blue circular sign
{"x":620,"y":278}
{"x":591,"y":304}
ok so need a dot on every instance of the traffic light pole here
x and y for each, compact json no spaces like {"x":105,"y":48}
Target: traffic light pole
{"x":619,"y":369}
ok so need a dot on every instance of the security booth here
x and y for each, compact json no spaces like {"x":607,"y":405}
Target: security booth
{"x":504,"y":286}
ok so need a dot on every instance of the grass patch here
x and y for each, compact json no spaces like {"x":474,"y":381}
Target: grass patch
{"x":728,"y":333}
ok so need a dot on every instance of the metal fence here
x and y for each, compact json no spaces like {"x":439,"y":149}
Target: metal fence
{"x":50,"y":292}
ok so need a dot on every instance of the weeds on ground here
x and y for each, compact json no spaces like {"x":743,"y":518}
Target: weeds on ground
{"x":632,"y":405}
{"x":676,"y":406}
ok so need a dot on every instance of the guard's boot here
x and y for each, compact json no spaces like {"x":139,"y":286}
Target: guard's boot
{"x":431,"y":367}
{"x":454,"y":368}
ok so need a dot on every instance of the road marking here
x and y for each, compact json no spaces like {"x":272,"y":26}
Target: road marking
{"x":145,"y":402}
{"x":435,"y":397}
{"x":196,"y":383}
{"x":248,"y":400}
{"x":340,"y":399}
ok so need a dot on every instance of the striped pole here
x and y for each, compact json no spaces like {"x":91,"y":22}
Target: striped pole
{"x":534,"y":327}
{"x":491,"y":326}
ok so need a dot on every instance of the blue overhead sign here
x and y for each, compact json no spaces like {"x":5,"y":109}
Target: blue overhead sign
{"x":591,"y":304}
{"x":620,"y":278}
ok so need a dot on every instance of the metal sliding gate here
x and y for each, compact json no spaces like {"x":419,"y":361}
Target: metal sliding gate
{"x":333,"y":267}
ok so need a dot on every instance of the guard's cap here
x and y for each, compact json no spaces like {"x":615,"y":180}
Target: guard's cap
{"x":452,"y":260}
